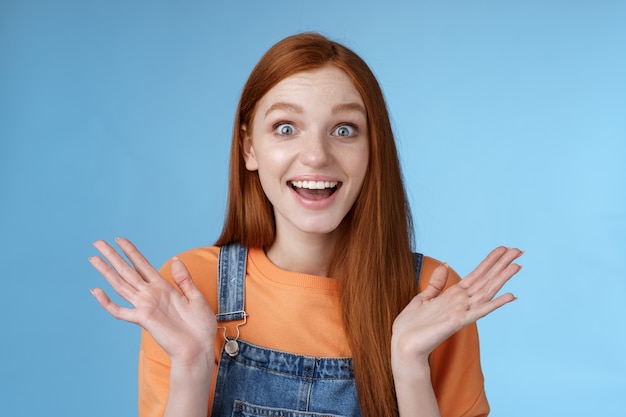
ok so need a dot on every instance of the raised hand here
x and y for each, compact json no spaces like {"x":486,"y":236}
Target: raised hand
{"x":180,"y":321}
{"x":432,"y":316}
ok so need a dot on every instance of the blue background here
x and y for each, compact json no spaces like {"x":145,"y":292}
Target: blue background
{"x":115,"y":119}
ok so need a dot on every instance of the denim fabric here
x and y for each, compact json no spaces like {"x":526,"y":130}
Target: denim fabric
{"x":257,"y":381}
{"x":265,"y":382}
{"x":231,"y":267}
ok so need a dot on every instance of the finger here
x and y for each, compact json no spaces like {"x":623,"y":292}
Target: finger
{"x":141,"y":264}
{"x":119,"y":284}
{"x":492,"y":305}
{"x":121,"y":266}
{"x":113,"y":309}
{"x":493,"y":279}
{"x":484,"y":266}
{"x":437,"y":282}
{"x":499,"y":259}
{"x":491,"y":288}
{"x":183,"y":279}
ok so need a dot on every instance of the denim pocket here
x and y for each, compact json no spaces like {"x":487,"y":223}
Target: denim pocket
{"x":242,"y":409}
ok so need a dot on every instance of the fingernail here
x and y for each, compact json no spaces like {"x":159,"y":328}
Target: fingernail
{"x":117,"y":239}
{"x":174,"y":258}
{"x":90,"y":259}
{"x":91,"y":290}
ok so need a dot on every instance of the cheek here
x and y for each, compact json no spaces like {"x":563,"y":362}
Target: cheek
{"x":360,"y":176}
{"x":271,"y":168}
{"x":273,"y":159}
{"x":359,"y":163}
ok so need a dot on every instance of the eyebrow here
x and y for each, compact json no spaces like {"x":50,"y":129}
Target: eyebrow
{"x":288,"y":107}
{"x":348,"y":107}
{"x":294,"y":108}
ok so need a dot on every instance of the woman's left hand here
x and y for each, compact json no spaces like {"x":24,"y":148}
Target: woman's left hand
{"x":434,"y":315}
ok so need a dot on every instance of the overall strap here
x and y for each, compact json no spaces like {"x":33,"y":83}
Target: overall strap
{"x":231,"y":275}
{"x":418,"y":258}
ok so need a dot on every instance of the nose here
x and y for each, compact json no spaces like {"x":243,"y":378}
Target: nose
{"x":315,"y":150}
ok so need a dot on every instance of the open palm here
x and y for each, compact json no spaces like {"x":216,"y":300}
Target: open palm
{"x":180,"y":321}
{"x":434,"y":315}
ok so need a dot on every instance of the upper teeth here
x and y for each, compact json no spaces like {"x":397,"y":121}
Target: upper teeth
{"x":314,"y":185}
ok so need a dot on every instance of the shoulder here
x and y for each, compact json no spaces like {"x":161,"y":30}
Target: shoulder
{"x":201,"y":264}
{"x":196,"y":258}
{"x":428,"y":266}
{"x":200,"y":257}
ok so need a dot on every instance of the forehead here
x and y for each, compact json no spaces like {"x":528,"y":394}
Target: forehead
{"x":328,"y":84}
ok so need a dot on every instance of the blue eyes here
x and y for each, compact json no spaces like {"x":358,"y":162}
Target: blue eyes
{"x":344,"y":130}
{"x":285,"y":129}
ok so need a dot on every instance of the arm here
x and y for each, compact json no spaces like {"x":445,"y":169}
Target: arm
{"x":181,"y":322}
{"x":434,"y":315}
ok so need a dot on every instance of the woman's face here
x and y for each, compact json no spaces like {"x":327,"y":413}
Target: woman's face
{"x":310,"y":145}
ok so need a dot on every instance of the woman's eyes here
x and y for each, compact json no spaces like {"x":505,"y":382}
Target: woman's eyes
{"x":284,"y":129}
{"x":345,"y":131}
{"x":287,"y":129}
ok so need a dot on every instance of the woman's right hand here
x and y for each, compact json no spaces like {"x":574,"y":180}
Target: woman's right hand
{"x":181,"y":322}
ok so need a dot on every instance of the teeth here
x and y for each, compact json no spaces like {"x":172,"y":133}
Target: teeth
{"x":314,"y":185}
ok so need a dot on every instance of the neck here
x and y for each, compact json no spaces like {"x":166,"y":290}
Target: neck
{"x":304,"y":253}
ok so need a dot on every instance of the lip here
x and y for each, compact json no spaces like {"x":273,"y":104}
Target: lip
{"x":313,"y":178}
{"x":314,"y":204}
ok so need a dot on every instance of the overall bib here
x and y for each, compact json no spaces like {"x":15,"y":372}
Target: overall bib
{"x":256,"y":381}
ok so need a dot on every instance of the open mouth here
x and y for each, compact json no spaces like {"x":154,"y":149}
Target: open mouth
{"x":315,"y":190}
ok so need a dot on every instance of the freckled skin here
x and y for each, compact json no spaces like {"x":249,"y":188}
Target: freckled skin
{"x":309,"y":127}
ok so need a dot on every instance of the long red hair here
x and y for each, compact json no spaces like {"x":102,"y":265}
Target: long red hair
{"x":373,"y":257}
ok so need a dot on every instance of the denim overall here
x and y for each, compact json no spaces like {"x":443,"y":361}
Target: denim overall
{"x":257,"y":381}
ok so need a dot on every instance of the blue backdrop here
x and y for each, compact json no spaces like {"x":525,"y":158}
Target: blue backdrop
{"x":115,"y":119}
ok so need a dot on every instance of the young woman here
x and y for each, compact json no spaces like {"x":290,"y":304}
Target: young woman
{"x":311,"y":302}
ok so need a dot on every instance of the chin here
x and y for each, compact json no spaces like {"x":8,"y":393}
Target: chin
{"x":320,"y":229}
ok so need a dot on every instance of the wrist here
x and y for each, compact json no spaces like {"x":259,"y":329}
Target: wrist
{"x":406,"y":364}
{"x":192,"y":355}
{"x":413,"y":386}
{"x":196,"y":365}
{"x":187,"y":375}
{"x":198,"y":361}
{"x":413,"y":373}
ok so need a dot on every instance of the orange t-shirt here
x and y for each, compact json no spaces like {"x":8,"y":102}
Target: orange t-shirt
{"x":300,"y":313}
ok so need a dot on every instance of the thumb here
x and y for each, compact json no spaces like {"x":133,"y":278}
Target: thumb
{"x":437,"y":282}
{"x":183,"y":279}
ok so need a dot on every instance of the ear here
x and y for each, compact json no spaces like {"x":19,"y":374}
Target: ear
{"x":248,"y":151}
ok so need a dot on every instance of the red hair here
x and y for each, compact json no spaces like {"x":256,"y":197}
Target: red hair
{"x":373,"y":256}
